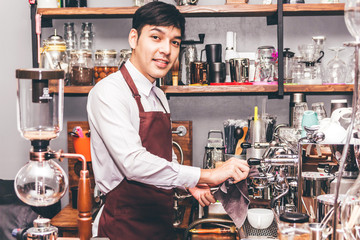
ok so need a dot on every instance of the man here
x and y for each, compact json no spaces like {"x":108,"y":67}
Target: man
{"x":131,"y":140}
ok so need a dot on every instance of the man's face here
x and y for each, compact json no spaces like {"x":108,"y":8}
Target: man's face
{"x":155,"y":50}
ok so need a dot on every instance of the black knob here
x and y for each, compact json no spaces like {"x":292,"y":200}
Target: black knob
{"x":246,"y":145}
{"x":254,"y":161}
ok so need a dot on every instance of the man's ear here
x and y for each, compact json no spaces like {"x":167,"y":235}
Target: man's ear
{"x":133,"y":38}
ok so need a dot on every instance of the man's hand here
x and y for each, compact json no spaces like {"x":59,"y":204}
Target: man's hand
{"x":202,"y":194}
{"x":233,"y":168}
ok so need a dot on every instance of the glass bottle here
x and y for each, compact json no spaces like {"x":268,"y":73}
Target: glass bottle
{"x":105,"y":63}
{"x":87,"y":36}
{"x":298,"y":69}
{"x":81,"y":68}
{"x":70,"y":37}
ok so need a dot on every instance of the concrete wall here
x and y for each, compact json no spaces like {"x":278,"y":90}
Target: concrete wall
{"x":206,"y":112}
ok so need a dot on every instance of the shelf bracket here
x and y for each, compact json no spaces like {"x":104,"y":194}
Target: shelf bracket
{"x":272,"y":19}
{"x":46,"y":22}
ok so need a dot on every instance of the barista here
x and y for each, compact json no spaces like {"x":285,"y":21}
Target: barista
{"x":131,"y":141}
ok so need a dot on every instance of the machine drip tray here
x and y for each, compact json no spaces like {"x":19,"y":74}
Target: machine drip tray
{"x":253,"y":233}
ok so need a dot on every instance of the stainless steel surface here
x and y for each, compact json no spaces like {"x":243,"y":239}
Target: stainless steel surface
{"x":42,"y":230}
{"x":239,"y":69}
{"x":180,"y":131}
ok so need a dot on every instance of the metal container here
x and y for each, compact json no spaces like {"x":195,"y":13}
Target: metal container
{"x":316,"y":183}
{"x":42,"y":230}
{"x":325,"y":204}
{"x":239,"y":69}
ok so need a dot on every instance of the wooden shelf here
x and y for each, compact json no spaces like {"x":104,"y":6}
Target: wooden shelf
{"x":219,"y":89}
{"x":318,"y":88}
{"x":230,"y":10}
{"x":313,"y":9}
{"x":234,"y":89}
{"x":77,"y":89}
{"x":227,"y":10}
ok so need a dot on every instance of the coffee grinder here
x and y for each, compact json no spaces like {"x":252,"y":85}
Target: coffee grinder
{"x":42,"y":182}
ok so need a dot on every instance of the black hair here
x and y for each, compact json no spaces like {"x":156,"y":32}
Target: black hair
{"x":158,"y":14}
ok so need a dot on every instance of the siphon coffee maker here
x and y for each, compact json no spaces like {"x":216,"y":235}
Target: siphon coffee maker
{"x":311,"y":55}
{"x":42,"y":182}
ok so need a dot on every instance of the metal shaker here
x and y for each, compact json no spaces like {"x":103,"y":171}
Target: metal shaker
{"x":239,"y":69}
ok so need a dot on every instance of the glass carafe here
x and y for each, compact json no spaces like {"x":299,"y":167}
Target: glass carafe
{"x":288,"y":65}
{"x":40,"y":103}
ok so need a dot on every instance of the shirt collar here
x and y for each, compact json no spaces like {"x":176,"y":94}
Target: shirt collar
{"x":143,"y":84}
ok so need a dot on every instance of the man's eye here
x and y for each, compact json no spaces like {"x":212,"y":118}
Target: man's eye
{"x":177,"y":43}
{"x":155,"y":37}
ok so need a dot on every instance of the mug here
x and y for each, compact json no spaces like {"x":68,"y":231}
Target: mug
{"x":198,"y":72}
{"x":213,"y":53}
{"x":217,"y":72}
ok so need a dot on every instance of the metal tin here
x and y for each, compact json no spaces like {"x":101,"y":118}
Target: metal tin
{"x":316,"y":183}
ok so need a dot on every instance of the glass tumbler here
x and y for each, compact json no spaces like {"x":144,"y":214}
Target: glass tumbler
{"x":318,"y":107}
{"x":299,"y":110}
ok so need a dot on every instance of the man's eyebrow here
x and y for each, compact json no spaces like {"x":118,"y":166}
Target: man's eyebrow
{"x":162,"y":32}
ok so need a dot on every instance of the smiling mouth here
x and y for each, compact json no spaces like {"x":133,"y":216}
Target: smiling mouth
{"x":161,"y":62}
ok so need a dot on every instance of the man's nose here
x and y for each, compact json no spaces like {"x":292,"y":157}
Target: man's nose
{"x":165,"y":48}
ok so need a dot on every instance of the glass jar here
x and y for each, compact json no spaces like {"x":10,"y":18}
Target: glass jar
{"x":124,"y":55}
{"x":53,"y":53}
{"x":294,"y":226}
{"x":105,"y":63}
{"x":81,"y":68}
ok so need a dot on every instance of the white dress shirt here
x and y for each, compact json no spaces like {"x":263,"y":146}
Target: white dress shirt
{"x":116,"y":148}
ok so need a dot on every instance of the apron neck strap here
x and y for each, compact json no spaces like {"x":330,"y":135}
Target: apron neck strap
{"x":132,"y":86}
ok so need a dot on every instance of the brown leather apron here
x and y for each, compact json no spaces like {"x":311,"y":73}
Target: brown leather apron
{"x":135,"y":210}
